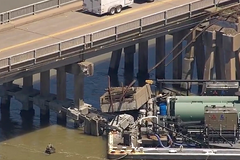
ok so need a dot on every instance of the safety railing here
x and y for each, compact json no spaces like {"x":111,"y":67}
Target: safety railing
{"x":107,"y":35}
{"x":32,"y":9}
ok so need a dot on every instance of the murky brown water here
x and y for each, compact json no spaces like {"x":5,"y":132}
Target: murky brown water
{"x":70,"y":144}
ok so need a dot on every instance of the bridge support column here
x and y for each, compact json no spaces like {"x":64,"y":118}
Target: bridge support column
{"x":237,"y":56}
{"x":219,"y":57}
{"x":79,"y":70}
{"x":129,"y":64}
{"x":230,"y":65}
{"x":142,"y":63}
{"x":44,"y":92}
{"x":188,"y":63}
{"x":159,"y":55}
{"x":5,"y":100}
{"x":114,"y":66}
{"x":27,"y":112}
{"x":209,"y":38}
{"x":61,"y":93}
{"x":78,"y":90}
{"x":115,"y":61}
{"x":177,"y":63}
{"x":229,"y":52}
{"x":27,"y":106}
{"x":200,"y":59}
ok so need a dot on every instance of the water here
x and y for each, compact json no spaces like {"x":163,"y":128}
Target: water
{"x":28,"y":142}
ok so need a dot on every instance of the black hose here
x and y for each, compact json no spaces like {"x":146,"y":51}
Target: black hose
{"x":222,"y":137}
{"x":180,"y":134}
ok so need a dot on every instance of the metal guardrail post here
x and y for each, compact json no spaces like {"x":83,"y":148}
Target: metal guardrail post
{"x":165,"y":18}
{"x":91,"y":40}
{"x":116,"y":33}
{"x":141,"y":25}
{"x":9,"y":64}
{"x":1,"y":18}
{"x":59,"y":49}
{"x":59,"y":3}
{"x":35,"y":57}
{"x":190,"y":10}
{"x":9,"y":16}
{"x":34,"y":9}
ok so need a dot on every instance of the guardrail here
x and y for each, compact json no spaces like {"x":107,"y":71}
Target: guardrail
{"x":32,"y":9}
{"x":113,"y":34}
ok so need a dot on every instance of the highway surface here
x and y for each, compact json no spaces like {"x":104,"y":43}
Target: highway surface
{"x":6,"y":5}
{"x":72,"y":24}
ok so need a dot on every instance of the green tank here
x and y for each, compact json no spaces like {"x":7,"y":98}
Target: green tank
{"x":191,"y":108}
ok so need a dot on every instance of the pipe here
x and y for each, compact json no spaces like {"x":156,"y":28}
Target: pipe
{"x":140,"y":120}
{"x":168,"y":104}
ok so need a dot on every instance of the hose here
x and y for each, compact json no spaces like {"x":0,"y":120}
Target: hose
{"x":177,"y":144}
{"x":160,"y":142}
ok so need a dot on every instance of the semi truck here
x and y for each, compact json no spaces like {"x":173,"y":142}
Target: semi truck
{"x":101,"y":7}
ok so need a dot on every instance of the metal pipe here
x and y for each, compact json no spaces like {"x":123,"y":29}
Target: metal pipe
{"x":140,"y":120}
{"x":168,"y":105}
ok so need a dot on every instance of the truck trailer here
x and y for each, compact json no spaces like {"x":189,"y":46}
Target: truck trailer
{"x":101,"y":7}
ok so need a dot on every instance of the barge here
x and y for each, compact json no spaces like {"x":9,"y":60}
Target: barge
{"x":142,"y":125}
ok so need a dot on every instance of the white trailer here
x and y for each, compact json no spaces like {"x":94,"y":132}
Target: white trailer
{"x":100,"y":7}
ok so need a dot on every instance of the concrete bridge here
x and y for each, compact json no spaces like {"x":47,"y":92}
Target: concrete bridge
{"x":64,"y":42}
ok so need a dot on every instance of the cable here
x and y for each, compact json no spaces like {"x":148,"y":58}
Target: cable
{"x":180,"y":42}
{"x":180,"y":134}
{"x":160,"y":142}
{"x":119,"y":158}
{"x":203,"y":30}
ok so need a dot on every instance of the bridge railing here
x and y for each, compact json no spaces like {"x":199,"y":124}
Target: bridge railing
{"x":32,"y":9}
{"x":106,"y":36}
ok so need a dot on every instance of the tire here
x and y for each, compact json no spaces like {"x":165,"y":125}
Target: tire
{"x":118,"y":9}
{"x":112,"y":11}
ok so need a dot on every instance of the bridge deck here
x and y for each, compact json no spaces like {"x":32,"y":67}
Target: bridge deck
{"x":71,"y":24}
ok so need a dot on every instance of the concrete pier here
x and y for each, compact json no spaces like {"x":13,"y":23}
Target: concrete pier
{"x":230,"y":46}
{"x":188,"y":62}
{"x":209,"y":41}
{"x":219,"y":57}
{"x":44,"y":92}
{"x":61,"y":92}
{"x":129,"y":63}
{"x":5,"y":98}
{"x":160,"y":52}
{"x":27,"y":106}
{"x":199,"y":51}
{"x":142,"y":63}
{"x":177,"y":63}
{"x":78,"y":90}
{"x":159,"y":55}
{"x":114,"y":62}
{"x":237,"y":57}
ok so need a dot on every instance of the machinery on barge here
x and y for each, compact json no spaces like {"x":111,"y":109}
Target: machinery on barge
{"x":141,"y":125}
